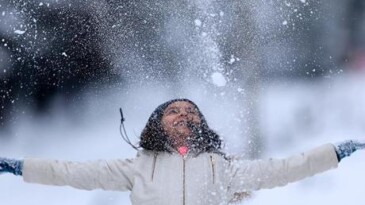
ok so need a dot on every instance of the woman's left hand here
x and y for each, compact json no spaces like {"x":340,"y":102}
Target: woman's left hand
{"x":346,"y":148}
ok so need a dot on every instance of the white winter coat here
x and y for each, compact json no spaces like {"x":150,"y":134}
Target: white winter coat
{"x":164,"y":179}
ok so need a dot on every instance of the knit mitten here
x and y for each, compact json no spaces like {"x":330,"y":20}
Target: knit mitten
{"x":346,"y":148}
{"x":11,"y":166}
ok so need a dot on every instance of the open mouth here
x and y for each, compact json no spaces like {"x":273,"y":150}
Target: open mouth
{"x":182,"y":123}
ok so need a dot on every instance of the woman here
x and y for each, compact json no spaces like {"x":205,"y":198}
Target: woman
{"x":181,"y":163}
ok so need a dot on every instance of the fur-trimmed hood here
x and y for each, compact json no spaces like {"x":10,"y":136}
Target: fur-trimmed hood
{"x":153,"y":137}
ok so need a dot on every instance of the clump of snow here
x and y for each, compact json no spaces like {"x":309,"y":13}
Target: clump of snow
{"x":240,"y":90}
{"x":198,"y":22}
{"x":218,"y":79}
{"x":20,"y":32}
{"x":233,"y":59}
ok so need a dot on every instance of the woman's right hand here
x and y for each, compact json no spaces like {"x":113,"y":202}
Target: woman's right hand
{"x":11,"y":166}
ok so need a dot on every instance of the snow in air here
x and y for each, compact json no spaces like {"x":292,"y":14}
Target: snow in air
{"x":293,"y":115}
{"x":198,"y":22}
{"x":20,"y":32}
{"x":218,"y":79}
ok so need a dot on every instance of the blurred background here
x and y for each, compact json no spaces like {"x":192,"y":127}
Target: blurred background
{"x":273,"y":78}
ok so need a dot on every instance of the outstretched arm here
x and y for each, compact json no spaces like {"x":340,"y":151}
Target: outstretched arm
{"x":101,"y":174}
{"x":261,"y":174}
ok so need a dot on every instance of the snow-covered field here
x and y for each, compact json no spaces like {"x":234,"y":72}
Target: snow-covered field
{"x":294,"y":117}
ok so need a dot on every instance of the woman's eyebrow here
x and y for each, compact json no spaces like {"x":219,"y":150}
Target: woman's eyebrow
{"x":170,"y":108}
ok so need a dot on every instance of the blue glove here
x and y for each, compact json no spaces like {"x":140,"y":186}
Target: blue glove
{"x":11,"y":166}
{"x":345,"y":149}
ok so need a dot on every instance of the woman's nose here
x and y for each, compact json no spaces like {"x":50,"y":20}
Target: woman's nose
{"x":183,"y":112}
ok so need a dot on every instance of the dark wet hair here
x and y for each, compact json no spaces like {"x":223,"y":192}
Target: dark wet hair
{"x":154,"y":138}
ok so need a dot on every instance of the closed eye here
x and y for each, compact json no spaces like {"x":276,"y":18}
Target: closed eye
{"x":172,"y":111}
{"x":192,"y":111}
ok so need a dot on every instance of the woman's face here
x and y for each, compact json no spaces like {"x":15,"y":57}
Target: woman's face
{"x":176,"y":119}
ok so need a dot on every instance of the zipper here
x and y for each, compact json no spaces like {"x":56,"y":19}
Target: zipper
{"x":213,"y":170}
{"x":183,"y":180}
{"x":154,"y":165}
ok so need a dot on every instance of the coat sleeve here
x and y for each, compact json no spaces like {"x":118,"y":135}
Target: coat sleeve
{"x":263,"y":174}
{"x":101,"y":174}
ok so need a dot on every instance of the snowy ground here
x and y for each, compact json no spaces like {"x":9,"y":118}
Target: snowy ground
{"x":294,"y":116}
